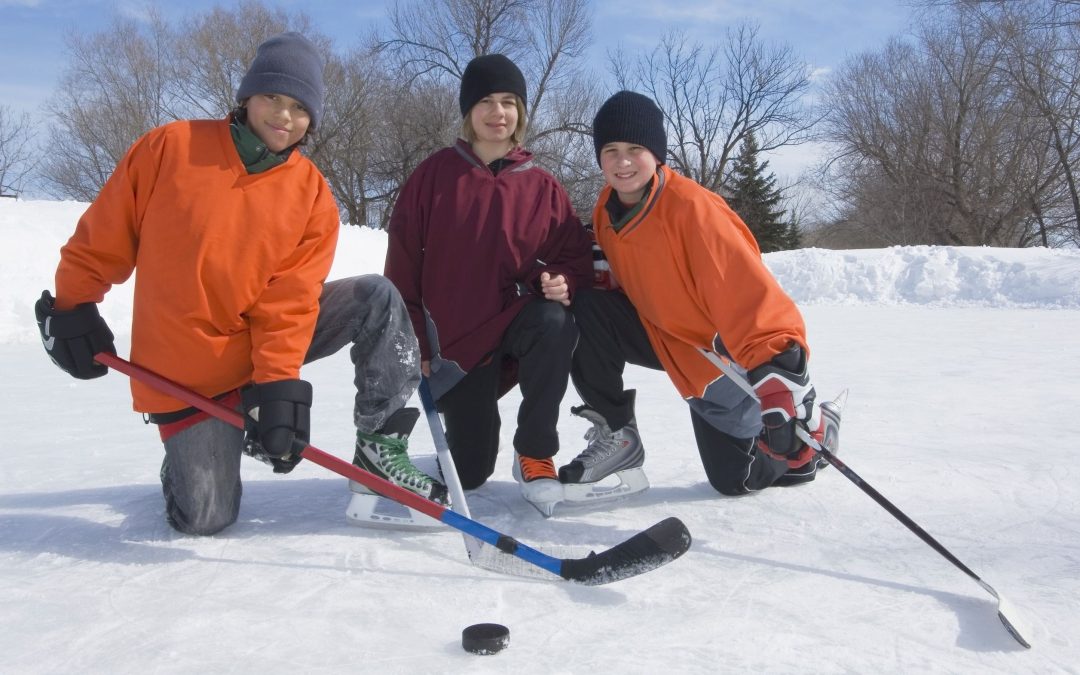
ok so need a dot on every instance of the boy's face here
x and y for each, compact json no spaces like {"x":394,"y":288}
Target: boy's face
{"x":627,"y":168}
{"x":494,"y":118}
{"x":278,"y":120}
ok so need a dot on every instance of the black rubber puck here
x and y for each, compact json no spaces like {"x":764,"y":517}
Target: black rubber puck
{"x":485,"y":638}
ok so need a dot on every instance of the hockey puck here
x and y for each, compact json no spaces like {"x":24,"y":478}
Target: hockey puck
{"x":485,"y":638}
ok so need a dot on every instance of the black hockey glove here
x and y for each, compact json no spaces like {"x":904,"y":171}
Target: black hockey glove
{"x":275,"y":415}
{"x":72,"y":338}
{"x":787,"y":399}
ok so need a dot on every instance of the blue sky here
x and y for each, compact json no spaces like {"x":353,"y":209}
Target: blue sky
{"x":824,"y":32}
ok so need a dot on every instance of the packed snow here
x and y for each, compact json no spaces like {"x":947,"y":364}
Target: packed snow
{"x":961,"y":365}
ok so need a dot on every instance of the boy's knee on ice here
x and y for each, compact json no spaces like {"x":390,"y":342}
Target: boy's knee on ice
{"x":732,"y":465}
{"x":200,"y":477}
{"x":473,"y":476}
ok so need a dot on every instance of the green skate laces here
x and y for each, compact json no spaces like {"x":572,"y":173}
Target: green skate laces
{"x":394,"y":460}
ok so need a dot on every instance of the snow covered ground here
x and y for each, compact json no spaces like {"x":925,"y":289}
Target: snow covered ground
{"x":961,"y":365}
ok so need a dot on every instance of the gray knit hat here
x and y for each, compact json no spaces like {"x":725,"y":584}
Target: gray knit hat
{"x":630,"y":117}
{"x":490,"y":74}
{"x":287,"y":64}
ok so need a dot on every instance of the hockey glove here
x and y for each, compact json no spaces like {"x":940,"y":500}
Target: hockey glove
{"x":72,"y":338}
{"x":787,"y":399}
{"x":275,"y":415}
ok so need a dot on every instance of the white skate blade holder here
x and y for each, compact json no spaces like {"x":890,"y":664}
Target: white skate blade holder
{"x":618,"y":485}
{"x":543,"y":495}
{"x":368,"y":509}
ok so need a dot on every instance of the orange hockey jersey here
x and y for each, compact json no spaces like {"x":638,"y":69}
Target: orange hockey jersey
{"x":229,"y":265}
{"x":694,"y":273}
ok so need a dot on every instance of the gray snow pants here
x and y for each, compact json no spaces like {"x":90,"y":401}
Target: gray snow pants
{"x":200,"y":475}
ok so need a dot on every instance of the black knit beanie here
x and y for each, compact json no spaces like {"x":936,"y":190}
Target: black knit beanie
{"x":630,"y":117}
{"x":287,"y":64}
{"x":489,"y":74}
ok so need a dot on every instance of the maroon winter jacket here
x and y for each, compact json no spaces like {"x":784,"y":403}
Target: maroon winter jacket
{"x":466,"y":249}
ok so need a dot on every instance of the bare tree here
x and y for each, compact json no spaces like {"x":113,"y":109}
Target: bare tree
{"x":16,"y":150}
{"x":114,"y":89}
{"x":935,"y":147}
{"x":1041,"y":39}
{"x":425,"y":118}
{"x":375,"y":131}
{"x":1046,"y":13}
{"x":438,"y":39}
{"x":1044,"y":65}
{"x":714,"y":97}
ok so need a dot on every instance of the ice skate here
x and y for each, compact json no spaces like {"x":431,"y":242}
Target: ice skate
{"x":539,"y":484}
{"x":609,"y":467}
{"x":385,"y":454}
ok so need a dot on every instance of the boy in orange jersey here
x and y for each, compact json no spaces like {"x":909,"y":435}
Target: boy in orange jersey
{"x":691,"y":281}
{"x":233,"y":232}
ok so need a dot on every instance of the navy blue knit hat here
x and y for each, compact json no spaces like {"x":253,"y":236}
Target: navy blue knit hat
{"x":630,"y":117}
{"x":489,"y":74}
{"x":287,"y":64}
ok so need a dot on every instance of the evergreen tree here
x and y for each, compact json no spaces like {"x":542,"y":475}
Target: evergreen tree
{"x":757,"y":201}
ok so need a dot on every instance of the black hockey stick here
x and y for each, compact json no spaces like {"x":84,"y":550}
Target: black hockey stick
{"x":643,"y":552}
{"x":1003,"y":605}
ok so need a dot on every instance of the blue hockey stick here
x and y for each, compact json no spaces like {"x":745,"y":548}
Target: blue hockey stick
{"x":643,"y":552}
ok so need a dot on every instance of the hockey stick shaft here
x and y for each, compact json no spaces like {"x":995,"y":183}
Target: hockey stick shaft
{"x":893,"y":510}
{"x":646,"y":550}
{"x":1004,"y":607}
{"x":446,"y":463}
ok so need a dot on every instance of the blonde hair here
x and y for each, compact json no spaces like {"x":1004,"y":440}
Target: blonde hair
{"x":516,"y":138}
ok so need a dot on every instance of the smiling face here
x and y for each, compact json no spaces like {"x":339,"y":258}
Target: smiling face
{"x":278,"y":120}
{"x":494,"y":118}
{"x":627,"y":168}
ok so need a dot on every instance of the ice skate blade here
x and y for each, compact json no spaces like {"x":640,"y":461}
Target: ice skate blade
{"x":542,"y":494}
{"x":630,"y":481}
{"x":546,"y":509}
{"x":367,"y":509}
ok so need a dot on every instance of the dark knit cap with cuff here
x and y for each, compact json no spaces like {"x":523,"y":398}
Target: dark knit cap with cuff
{"x":287,"y":64}
{"x":490,"y":74}
{"x":630,"y":117}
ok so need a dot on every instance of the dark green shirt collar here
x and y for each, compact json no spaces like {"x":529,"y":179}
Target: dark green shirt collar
{"x":620,"y":213}
{"x":253,"y":152}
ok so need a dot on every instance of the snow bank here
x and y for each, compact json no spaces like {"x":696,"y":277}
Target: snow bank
{"x":32,"y":233}
{"x":932,"y":275}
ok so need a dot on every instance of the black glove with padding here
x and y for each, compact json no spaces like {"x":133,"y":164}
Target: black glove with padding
{"x":72,"y":337}
{"x":276,"y":414}
{"x":787,"y":399}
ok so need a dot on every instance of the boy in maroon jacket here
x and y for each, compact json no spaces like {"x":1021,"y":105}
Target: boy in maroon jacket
{"x":487,"y":251}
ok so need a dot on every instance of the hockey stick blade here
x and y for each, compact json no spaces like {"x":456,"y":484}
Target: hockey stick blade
{"x":656,"y":546}
{"x":645,"y":551}
{"x":1003,"y":605}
